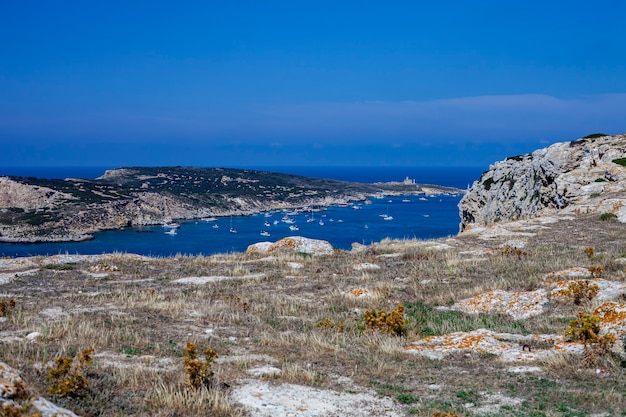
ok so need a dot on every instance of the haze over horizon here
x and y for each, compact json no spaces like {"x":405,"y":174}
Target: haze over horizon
{"x":305,"y":84}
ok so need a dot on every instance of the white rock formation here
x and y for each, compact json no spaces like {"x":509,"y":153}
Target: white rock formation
{"x":577,"y":175}
{"x":301,"y":244}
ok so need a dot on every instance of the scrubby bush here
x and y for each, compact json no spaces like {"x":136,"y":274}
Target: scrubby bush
{"x":607,"y":216}
{"x":586,"y":328}
{"x":66,"y":377}
{"x":392,"y":322}
{"x":620,"y":161}
{"x":596,"y":271}
{"x":7,"y":306}
{"x":327,"y":323}
{"x":581,"y":291}
{"x":508,"y":250}
{"x":198,"y":373}
{"x":595,"y":135}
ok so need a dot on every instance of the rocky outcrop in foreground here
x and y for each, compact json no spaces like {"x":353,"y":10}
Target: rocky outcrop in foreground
{"x":586,"y":175}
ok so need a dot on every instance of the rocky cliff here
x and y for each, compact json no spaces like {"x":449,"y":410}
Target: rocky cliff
{"x":586,"y":175}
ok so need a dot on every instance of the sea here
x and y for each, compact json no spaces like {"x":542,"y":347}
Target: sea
{"x":396,"y":217}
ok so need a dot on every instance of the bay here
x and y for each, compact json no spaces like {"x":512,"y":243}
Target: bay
{"x":421,"y":217}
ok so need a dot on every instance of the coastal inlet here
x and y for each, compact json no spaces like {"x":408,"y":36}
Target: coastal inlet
{"x":399,"y":217}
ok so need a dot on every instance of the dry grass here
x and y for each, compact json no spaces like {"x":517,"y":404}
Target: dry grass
{"x":138,"y":320}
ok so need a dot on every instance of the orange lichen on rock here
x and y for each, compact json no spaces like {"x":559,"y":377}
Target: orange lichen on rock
{"x":359,"y":292}
{"x":520,"y":305}
{"x":612,"y":318}
{"x":575,"y":272}
{"x":509,"y":347}
{"x":577,"y":290}
{"x":597,"y":288}
{"x":525,"y":304}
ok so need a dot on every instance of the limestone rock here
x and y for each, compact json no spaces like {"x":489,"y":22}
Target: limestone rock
{"x":301,"y":244}
{"x":259,"y":247}
{"x":48,"y":409}
{"x":365,"y":266}
{"x":509,"y":347}
{"x":577,"y":175}
{"x":13,"y":393}
{"x":11,"y":383}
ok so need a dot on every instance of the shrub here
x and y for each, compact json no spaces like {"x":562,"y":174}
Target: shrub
{"x":66,"y":376}
{"x":607,"y":216}
{"x":589,"y":251}
{"x":198,"y":373}
{"x":596,"y":271}
{"x":595,"y":135}
{"x":581,"y":291}
{"x":508,"y":250}
{"x":407,"y":398}
{"x":327,"y":323}
{"x":7,"y":307}
{"x":389,"y":322}
{"x":620,"y":161}
{"x":586,"y":328}
{"x":61,"y":267}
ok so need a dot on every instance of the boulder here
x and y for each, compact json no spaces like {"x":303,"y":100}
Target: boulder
{"x":13,"y":397}
{"x":301,"y":244}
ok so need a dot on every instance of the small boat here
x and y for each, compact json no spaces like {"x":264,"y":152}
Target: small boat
{"x":321,"y":222}
{"x":209,"y":219}
{"x":267,"y":224}
{"x":216,"y":226}
{"x":293,"y":228}
{"x":406,"y":200}
{"x":366,"y":227}
{"x":388,"y":218}
{"x":265,"y":233}
{"x":171,"y":232}
{"x":171,"y":225}
{"x":233,"y":230}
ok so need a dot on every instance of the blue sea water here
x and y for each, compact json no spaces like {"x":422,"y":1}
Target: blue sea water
{"x":421,"y":217}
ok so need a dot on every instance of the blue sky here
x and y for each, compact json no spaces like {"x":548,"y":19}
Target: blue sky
{"x":305,"y":83}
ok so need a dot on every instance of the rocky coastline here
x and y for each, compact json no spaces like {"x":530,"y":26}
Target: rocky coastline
{"x":37,"y":211}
